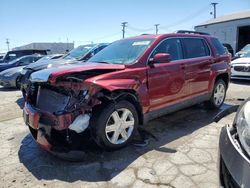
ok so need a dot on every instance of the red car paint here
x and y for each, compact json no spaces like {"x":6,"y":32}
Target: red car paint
{"x":157,"y":87}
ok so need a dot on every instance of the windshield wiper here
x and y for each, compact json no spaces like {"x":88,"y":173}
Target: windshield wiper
{"x":105,"y":62}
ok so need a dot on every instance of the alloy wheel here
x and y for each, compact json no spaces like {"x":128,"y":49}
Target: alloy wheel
{"x":219,"y":94}
{"x":120,"y":126}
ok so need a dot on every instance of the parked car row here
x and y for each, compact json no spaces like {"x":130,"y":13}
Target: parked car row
{"x":18,"y":77}
{"x":79,"y":54}
{"x":9,"y":72}
{"x":14,"y":54}
{"x":15,"y":73}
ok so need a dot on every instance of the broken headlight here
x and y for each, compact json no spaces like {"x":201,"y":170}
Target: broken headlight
{"x":242,"y":122}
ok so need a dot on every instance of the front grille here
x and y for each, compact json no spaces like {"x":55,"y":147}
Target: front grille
{"x":242,"y":68}
{"x":47,"y":121}
{"x":51,"y":101}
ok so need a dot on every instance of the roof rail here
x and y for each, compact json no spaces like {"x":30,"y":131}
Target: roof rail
{"x":192,"y":32}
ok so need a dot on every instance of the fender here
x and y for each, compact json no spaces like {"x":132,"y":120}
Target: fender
{"x":115,"y":84}
{"x":216,"y":70}
{"x":112,"y":85}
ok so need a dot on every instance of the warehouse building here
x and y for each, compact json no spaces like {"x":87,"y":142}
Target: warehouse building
{"x":233,"y":29}
{"x":53,"y":48}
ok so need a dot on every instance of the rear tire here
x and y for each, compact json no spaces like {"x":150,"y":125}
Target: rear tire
{"x":218,"y":95}
{"x":113,"y":125}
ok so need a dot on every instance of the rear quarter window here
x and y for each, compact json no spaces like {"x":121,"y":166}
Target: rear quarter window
{"x":218,"y":46}
{"x":195,"y":47}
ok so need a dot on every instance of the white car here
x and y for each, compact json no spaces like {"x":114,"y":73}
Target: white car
{"x":240,"y":68}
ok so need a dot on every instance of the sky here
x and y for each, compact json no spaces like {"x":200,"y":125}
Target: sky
{"x":86,"y":21}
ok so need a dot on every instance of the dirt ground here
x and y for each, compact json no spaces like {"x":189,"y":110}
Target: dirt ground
{"x":184,"y":153}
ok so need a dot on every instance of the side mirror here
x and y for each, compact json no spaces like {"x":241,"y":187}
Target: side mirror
{"x":160,"y":58}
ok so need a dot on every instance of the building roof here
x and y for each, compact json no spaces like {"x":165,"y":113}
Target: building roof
{"x":227,"y":18}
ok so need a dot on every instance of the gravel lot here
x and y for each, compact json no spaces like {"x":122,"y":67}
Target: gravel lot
{"x":183,"y":155}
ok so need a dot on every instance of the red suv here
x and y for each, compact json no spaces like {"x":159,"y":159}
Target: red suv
{"x":125,"y":85}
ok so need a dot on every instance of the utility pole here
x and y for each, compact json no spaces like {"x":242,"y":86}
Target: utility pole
{"x":156,"y":28}
{"x":124,"y":25}
{"x":67,"y":44}
{"x":8,"y":44}
{"x":214,"y":5}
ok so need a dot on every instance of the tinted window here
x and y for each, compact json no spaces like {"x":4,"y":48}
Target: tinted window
{"x":99,"y":49}
{"x":35,"y":59}
{"x":170,"y":46}
{"x":195,"y":48}
{"x":78,"y":52}
{"x":26,"y":60}
{"x":218,"y":46}
{"x":11,"y":56}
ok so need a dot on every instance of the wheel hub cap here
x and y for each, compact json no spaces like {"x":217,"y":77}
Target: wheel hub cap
{"x":219,"y":94}
{"x":120,"y":126}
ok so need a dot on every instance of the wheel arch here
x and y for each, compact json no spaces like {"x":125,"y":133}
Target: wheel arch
{"x":124,"y":94}
{"x":225,"y":77}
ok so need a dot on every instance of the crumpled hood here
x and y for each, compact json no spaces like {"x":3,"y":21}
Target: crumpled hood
{"x":44,"y":64}
{"x":51,"y":74}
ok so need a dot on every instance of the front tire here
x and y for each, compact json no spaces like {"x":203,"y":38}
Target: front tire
{"x":113,"y":125}
{"x":218,"y":95}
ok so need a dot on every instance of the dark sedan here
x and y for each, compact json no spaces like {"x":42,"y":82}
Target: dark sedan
{"x":14,"y":54}
{"x":11,"y":77}
{"x":22,"y":61}
{"x":234,"y":158}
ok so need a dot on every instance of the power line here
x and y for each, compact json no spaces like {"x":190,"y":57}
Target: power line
{"x":139,"y":29}
{"x":124,"y":25}
{"x":179,"y":22}
{"x":107,"y":36}
{"x":187,"y":18}
{"x":98,"y":38}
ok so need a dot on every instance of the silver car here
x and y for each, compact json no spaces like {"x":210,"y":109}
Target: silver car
{"x":240,"y":68}
{"x":11,"y":77}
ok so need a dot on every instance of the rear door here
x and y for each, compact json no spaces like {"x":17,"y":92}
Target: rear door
{"x":166,"y":81}
{"x":198,"y":65}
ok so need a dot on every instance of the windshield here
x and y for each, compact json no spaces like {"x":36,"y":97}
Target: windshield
{"x":78,"y":52}
{"x":123,"y":51}
{"x":15,"y":60}
{"x":246,"y":48}
{"x":246,"y":54}
{"x":47,"y":57}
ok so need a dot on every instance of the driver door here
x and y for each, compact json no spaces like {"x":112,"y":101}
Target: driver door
{"x":166,"y":81}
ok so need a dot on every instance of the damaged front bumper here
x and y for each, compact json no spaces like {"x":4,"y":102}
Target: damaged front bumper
{"x":41,"y":125}
{"x":58,"y":140}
